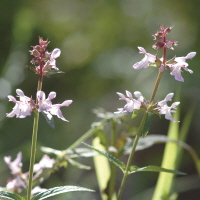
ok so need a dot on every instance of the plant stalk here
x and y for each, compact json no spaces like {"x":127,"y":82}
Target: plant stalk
{"x":131,"y":156}
{"x":33,"y":152}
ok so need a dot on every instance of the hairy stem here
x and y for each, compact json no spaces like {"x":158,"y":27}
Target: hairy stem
{"x":33,"y":152}
{"x":131,"y":155}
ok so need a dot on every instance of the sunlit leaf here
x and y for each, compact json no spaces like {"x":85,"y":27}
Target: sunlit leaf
{"x":59,"y":190}
{"x":153,"y":168}
{"x":9,"y":195}
{"x":78,"y":165}
{"x":114,"y":160}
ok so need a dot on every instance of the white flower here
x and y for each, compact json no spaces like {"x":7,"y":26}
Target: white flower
{"x":22,"y":107}
{"x":181,"y":63}
{"x":46,"y":106}
{"x":144,"y":63}
{"x":166,"y":110}
{"x":131,"y":104}
{"x":16,"y":165}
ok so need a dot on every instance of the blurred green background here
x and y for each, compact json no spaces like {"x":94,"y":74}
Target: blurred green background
{"x":98,"y":40}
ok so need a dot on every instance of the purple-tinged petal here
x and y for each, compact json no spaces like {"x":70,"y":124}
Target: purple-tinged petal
{"x":141,"y":64}
{"x":55,"y":53}
{"x":129,"y":95}
{"x":142,"y":50}
{"x":16,"y":165}
{"x":191,"y":55}
{"x":177,"y":73}
{"x":66,"y":103}
{"x":121,"y":96}
{"x":139,"y":96}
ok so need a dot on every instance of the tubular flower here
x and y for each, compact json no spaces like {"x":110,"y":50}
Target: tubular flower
{"x":16,"y":165}
{"x":46,"y":106}
{"x":144,"y":63}
{"x":25,"y":106}
{"x":166,"y":110}
{"x":131,"y":103}
{"x":180,"y":62}
{"x":22,"y":107}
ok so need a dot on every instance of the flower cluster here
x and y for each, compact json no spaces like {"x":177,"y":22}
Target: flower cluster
{"x":174,"y":65}
{"x":45,"y":61}
{"x":25,"y":106}
{"x":160,"y":108}
{"x":19,"y":181}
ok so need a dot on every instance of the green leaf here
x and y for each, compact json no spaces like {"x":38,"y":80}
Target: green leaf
{"x":77,"y":164}
{"x":51,"y":72}
{"x":49,"y":121}
{"x":135,"y":113}
{"x":147,"y":124}
{"x":153,"y":168}
{"x":9,"y":195}
{"x":58,"y":190}
{"x":145,"y":142}
{"x":114,"y":160}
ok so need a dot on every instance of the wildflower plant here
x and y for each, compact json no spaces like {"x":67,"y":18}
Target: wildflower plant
{"x":44,"y":65}
{"x":109,"y":149}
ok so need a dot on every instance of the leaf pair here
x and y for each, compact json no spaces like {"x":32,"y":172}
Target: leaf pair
{"x":134,"y":169}
{"x":43,"y":195}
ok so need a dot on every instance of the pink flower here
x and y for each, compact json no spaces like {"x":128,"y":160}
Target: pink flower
{"x":131,"y":104}
{"x":22,"y":107}
{"x":55,"y":54}
{"x":16,"y":165}
{"x":144,"y":63}
{"x":16,"y":185}
{"x":166,"y":110}
{"x":46,"y":106}
{"x":181,"y":63}
{"x":45,"y":162}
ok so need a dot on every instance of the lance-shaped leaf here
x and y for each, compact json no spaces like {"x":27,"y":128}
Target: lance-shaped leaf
{"x":153,"y":168}
{"x":147,"y":124}
{"x":114,"y":160}
{"x":9,"y":195}
{"x":59,"y":190}
{"x":77,"y":164}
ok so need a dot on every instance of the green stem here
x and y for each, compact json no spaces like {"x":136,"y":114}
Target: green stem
{"x":112,"y":180}
{"x":33,"y":152}
{"x":156,"y":87}
{"x":88,"y":134}
{"x":131,"y":155}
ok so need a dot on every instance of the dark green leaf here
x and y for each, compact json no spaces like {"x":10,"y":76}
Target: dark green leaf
{"x":49,"y":121}
{"x":114,"y":160}
{"x":9,"y":195}
{"x":152,"y":168}
{"x":147,"y":124}
{"x":59,"y":190}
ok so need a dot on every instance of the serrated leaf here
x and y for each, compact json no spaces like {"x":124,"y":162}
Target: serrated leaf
{"x":59,"y":190}
{"x":9,"y":195}
{"x":114,"y":160}
{"x":145,"y":142}
{"x":147,"y":124}
{"x":153,"y":168}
